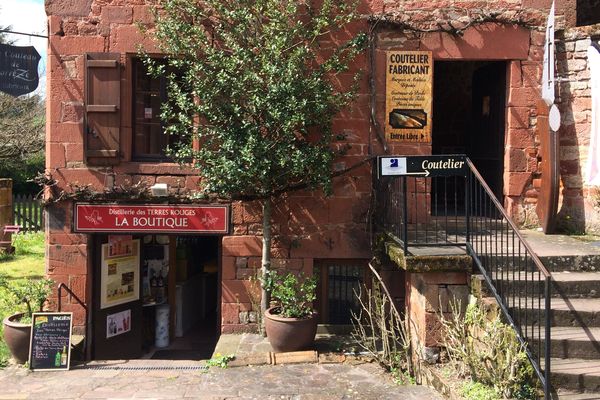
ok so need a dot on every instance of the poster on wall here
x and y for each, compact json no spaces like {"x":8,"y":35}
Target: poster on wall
{"x":118,"y":323}
{"x":408,"y":96}
{"x":120,"y":277}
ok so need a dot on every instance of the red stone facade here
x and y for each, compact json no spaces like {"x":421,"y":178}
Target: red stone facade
{"x":307,"y":226}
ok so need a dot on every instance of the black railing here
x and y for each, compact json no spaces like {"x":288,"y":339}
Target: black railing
{"x":461,"y":211}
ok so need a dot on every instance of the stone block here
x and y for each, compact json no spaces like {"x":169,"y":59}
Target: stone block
{"x":523,"y":97}
{"x":228,"y":268}
{"x":74,"y":152}
{"x":235,"y":291}
{"x":55,"y":155}
{"x":520,"y":138}
{"x":72,"y":8}
{"x":230,"y":314}
{"x":238,"y":328}
{"x":516,"y":183}
{"x":75,"y":45}
{"x":127,"y":39}
{"x":242,"y":246}
{"x":518,"y":117}
{"x":295,"y":357}
{"x":516,"y":160}
{"x":143,"y":15}
{"x":117,"y":14}
{"x":54,"y":24}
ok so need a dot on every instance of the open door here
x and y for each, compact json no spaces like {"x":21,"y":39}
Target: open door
{"x":486,"y":140}
{"x":469,"y":105}
{"x":117,"y":302}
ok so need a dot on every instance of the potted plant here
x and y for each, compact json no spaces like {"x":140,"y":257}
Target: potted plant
{"x":290,"y":322}
{"x":28,"y":296}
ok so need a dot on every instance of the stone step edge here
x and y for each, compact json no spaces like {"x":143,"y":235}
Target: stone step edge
{"x":293,"y":357}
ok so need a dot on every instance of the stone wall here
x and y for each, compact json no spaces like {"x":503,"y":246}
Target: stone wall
{"x":579,"y":208}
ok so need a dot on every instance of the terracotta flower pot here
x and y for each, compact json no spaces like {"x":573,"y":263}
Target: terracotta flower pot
{"x":17,"y":337}
{"x":290,"y":334}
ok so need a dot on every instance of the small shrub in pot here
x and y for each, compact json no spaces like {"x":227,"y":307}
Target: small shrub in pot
{"x":291,"y":322}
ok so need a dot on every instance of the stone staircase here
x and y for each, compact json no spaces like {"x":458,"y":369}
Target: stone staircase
{"x":575,"y":315}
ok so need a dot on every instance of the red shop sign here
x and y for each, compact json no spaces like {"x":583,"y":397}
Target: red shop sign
{"x":151,"y":218}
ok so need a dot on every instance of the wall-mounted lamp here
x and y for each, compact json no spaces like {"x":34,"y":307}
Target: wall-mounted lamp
{"x":159,"y":190}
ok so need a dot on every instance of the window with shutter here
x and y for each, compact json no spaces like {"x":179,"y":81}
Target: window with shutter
{"x":102,"y":108}
{"x":149,"y":141}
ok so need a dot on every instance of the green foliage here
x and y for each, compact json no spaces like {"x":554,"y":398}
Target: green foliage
{"x":29,"y":243}
{"x":478,"y":391}
{"x":292,"y":294}
{"x":28,"y":260}
{"x":22,"y":171}
{"x":402,"y":377}
{"x":32,"y":293}
{"x":255,"y":90}
{"x":22,"y":128}
{"x":220,"y":360}
{"x":487,"y":350}
{"x":27,"y":264}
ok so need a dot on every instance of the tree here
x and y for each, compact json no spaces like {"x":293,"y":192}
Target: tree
{"x":253,"y":100}
{"x":22,"y":124}
{"x":22,"y":127}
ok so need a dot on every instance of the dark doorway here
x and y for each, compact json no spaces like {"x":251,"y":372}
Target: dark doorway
{"x":155,"y":296}
{"x":469,"y":104}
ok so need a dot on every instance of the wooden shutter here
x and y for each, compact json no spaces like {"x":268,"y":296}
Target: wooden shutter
{"x":102,"y":108}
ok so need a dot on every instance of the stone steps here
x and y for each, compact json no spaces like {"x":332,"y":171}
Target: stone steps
{"x":573,"y":263}
{"x":574,"y":342}
{"x":531,"y":284}
{"x":575,"y":374}
{"x":568,"y":395}
{"x":565,"y":312}
{"x":574,"y":304}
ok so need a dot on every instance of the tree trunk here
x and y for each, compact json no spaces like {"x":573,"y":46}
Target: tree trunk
{"x":266,"y":253}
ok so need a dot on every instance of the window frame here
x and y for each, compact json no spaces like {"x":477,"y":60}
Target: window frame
{"x":136,"y":62}
{"x":321,"y":303}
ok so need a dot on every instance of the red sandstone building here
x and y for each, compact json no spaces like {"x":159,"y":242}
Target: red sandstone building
{"x":104,"y":140}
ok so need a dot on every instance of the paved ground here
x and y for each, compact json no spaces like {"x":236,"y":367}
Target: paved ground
{"x":285,"y":382}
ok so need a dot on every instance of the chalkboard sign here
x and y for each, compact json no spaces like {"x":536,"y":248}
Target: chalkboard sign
{"x":50,"y":347}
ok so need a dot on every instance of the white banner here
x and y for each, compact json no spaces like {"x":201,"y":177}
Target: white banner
{"x":548,"y":79}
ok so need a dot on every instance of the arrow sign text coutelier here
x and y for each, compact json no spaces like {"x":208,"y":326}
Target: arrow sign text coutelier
{"x":446,"y":165}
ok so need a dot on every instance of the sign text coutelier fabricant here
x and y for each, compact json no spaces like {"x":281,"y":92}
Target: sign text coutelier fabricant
{"x":151,"y":218}
{"x":408,"y":95}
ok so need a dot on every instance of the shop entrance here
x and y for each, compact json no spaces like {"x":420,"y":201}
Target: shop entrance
{"x":469,"y":104}
{"x":155,"y":296}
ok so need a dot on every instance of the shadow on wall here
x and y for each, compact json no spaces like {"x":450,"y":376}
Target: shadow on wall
{"x":574,"y":102}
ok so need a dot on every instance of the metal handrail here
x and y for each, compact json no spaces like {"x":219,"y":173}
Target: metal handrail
{"x":60,"y":288}
{"x":509,"y":220}
{"x":500,"y":292}
{"x":461,"y":210}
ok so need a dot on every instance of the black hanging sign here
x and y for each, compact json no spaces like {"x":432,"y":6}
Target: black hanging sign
{"x":18,"y":69}
{"x":50,"y":348}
